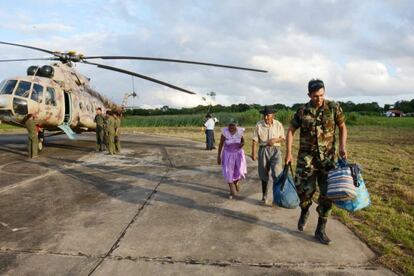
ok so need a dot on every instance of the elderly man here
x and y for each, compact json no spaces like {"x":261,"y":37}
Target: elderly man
{"x":317,"y":121}
{"x":268,"y":134}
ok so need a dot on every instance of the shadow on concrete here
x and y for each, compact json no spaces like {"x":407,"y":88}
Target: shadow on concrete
{"x":134,"y":194}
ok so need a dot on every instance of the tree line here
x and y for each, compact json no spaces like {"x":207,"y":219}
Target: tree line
{"x":372,"y":108}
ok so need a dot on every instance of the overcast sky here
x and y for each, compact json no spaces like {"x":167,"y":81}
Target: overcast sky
{"x":363,"y":50}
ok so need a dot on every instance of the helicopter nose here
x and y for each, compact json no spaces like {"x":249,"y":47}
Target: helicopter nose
{"x":4,"y":102}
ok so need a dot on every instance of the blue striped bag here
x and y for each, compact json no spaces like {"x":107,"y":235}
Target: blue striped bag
{"x":341,"y":182}
{"x":361,"y":201}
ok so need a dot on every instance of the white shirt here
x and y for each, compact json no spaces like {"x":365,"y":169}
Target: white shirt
{"x":209,"y":124}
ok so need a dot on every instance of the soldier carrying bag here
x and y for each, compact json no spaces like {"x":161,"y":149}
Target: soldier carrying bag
{"x":342,"y":181}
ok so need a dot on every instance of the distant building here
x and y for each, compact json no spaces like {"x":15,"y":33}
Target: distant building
{"x":394,"y":113}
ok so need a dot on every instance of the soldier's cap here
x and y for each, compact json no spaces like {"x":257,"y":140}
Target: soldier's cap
{"x":267,"y":110}
{"x":314,"y":85}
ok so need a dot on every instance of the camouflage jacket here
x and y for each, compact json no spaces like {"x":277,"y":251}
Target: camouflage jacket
{"x":31,"y":127}
{"x":99,"y":120}
{"x":110,"y":125}
{"x":317,"y":129}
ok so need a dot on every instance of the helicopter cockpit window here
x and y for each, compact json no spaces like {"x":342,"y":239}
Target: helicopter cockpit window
{"x":50,"y":96}
{"x":2,"y":84}
{"x":8,"y":87}
{"x":23,"y":89}
{"x":37,"y":93}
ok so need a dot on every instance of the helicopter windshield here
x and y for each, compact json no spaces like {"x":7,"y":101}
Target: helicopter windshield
{"x":37,"y":93}
{"x":8,"y":87}
{"x":23,"y":89}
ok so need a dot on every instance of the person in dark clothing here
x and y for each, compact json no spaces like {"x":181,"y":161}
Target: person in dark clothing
{"x":99,"y":120}
{"x":33,"y":141}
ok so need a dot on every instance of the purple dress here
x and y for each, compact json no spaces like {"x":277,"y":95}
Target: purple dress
{"x":233,"y":160}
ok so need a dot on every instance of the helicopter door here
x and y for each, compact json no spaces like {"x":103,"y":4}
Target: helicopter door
{"x":68,"y":108}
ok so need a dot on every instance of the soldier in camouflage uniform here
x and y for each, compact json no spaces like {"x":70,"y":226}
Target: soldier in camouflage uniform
{"x":110,"y":132}
{"x":99,"y":120}
{"x":317,"y":121}
{"x":117,"y":116}
{"x":33,"y":140}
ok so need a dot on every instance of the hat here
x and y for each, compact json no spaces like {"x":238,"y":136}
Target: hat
{"x":314,"y":85}
{"x":267,"y":110}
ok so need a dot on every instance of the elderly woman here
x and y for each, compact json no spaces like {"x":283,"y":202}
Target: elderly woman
{"x":231,"y":156}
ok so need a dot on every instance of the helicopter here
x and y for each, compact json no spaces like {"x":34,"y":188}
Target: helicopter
{"x":60,"y":98}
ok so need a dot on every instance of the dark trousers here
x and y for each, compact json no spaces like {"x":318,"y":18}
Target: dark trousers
{"x":209,"y":139}
{"x":100,"y":138}
{"x":32,"y":146}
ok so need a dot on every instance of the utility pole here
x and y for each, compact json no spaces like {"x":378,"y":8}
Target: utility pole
{"x":212,"y":96}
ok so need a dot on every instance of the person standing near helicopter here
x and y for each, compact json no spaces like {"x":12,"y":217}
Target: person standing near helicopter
{"x":99,"y":120}
{"x":33,"y":141}
{"x":110,"y":132}
{"x":117,"y":116}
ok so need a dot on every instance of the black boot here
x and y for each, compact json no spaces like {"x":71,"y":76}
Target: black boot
{"x":320,"y":234}
{"x":264,"y":191}
{"x":304,"y":214}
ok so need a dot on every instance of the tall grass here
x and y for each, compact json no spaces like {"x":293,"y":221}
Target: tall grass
{"x":248,"y":118}
{"x":356,"y":119}
{"x":252,"y":116}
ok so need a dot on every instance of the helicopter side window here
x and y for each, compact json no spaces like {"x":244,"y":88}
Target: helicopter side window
{"x":23,"y":89}
{"x":37,"y":93}
{"x":50,"y":96}
{"x":8,"y":87}
{"x":2,"y":84}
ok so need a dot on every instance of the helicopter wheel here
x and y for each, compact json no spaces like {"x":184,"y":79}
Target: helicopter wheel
{"x":41,"y":139}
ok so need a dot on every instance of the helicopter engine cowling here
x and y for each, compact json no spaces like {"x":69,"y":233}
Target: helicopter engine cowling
{"x":46,"y":71}
{"x":32,"y":70}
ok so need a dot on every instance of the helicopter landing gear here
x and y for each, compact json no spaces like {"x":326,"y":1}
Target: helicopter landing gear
{"x":41,"y":139}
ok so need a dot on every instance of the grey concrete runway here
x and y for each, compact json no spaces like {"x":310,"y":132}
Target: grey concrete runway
{"x":159,"y":208}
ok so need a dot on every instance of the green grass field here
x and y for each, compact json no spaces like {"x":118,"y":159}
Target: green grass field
{"x":4,"y":127}
{"x":385,"y":152}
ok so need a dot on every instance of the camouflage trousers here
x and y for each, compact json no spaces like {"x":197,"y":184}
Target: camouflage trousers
{"x":309,"y":172}
{"x":32,"y":146}
{"x":117,"y":144}
{"x":111,"y":142}
{"x":100,"y":138}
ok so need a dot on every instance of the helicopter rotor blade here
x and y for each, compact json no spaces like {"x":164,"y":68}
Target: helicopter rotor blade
{"x":29,"y":47}
{"x":177,"y":61}
{"x":139,"y":76}
{"x":25,"y":59}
